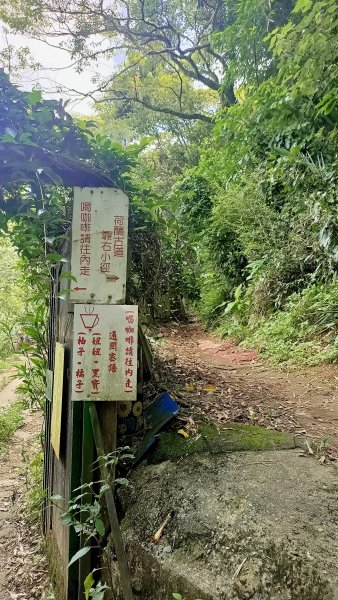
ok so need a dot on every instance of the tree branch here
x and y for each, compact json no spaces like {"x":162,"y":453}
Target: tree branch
{"x":121,"y":96}
{"x":195,"y":73}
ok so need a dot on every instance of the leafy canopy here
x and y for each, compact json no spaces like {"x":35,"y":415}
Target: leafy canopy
{"x":175,"y":47}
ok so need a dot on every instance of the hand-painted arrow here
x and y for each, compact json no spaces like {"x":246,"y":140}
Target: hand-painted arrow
{"x":78,"y":289}
{"x":112,"y":278}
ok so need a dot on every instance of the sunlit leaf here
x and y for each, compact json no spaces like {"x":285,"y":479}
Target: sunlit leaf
{"x":88,"y":583}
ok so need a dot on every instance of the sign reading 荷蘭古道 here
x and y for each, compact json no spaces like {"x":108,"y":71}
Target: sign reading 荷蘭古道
{"x":99,"y":245}
{"x":105,"y":352}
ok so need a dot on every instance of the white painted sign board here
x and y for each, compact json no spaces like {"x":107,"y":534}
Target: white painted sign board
{"x":105,"y":352}
{"x":99,"y":245}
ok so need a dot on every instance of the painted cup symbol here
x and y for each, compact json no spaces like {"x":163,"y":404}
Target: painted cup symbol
{"x":89,"y":321}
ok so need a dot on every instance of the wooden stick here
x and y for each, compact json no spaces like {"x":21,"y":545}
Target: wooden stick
{"x":88,"y":456}
{"x":114,"y":523}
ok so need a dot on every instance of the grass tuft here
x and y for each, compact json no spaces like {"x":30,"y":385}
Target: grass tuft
{"x":35,"y":495}
{"x":11,"y":419}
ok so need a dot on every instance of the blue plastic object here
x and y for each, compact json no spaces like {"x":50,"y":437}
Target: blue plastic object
{"x":156,"y":415}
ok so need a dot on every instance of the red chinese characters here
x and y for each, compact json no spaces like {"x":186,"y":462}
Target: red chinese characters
{"x":112,"y":368}
{"x":112,"y":244}
{"x":106,"y":249}
{"x":105,"y":357}
{"x":85,"y":237}
{"x":81,"y":340}
{"x":130,"y":362}
{"x":95,"y":380}
{"x":119,"y":233}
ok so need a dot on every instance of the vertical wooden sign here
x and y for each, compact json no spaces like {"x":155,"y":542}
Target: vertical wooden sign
{"x":99,"y":245}
{"x":57,"y":398}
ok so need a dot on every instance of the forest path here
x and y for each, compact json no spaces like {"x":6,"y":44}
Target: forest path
{"x":225,"y":383}
{"x":22,"y":566}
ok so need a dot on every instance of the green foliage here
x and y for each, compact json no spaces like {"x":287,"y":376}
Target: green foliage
{"x":33,"y":371}
{"x":306,"y":331}
{"x":93,"y":590}
{"x":37,"y":231}
{"x":11,"y":419}
{"x":35,"y":494}
{"x":244,"y":42}
{"x":213,"y":290}
{"x":26,"y":118}
{"x":13,"y":303}
{"x":239,"y":222}
{"x":271,"y":239}
{"x":85,"y":514}
{"x":37,"y":219}
{"x":85,"y":509}
{"x":248,"y":213}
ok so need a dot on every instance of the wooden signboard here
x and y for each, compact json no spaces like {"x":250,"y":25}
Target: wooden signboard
{"x":104,"y":352}
{"x":99,"y":245}
{"x":57,"y":398}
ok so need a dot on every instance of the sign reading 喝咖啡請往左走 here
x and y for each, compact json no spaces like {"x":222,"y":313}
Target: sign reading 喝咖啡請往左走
{"x":99,"y":245}
{"x":105,"y":352}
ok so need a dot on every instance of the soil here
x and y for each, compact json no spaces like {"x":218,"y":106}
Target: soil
{"x":22,"y":565}
{"x":8,"y":385}
{"x":220,"y":382}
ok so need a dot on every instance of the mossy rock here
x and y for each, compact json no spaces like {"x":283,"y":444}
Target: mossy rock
{"x":234,"y":437}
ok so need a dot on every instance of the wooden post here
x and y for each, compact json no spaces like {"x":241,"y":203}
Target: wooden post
{"x":104,"y":364}
{"x":114,"y":523}
{"x":75,"y":442}
{"x":87,"y":476}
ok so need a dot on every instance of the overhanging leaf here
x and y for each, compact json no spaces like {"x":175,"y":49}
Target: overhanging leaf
{"x":79,"y":555}
{"x":99,"y":526}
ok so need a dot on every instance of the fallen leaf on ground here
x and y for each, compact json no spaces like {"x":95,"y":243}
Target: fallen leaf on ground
{"x":183,"y":433}
{"x":157,"y":536}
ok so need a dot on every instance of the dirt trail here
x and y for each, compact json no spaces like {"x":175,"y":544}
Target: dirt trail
{"x":22,"y":567}
{"x":223,"y":382}
{"x":8,"y":393}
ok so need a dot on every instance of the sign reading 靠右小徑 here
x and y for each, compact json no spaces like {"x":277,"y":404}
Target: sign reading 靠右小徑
{"x":99,"y":245}
{"x":104,"y":352}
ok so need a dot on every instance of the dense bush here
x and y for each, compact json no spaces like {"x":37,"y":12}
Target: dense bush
{"x":306,"y":330}
{"x":268,"y":267}
{"x":13,"y":299}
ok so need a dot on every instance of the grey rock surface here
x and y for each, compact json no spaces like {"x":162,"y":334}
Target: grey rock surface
{"x":246,"y":525}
